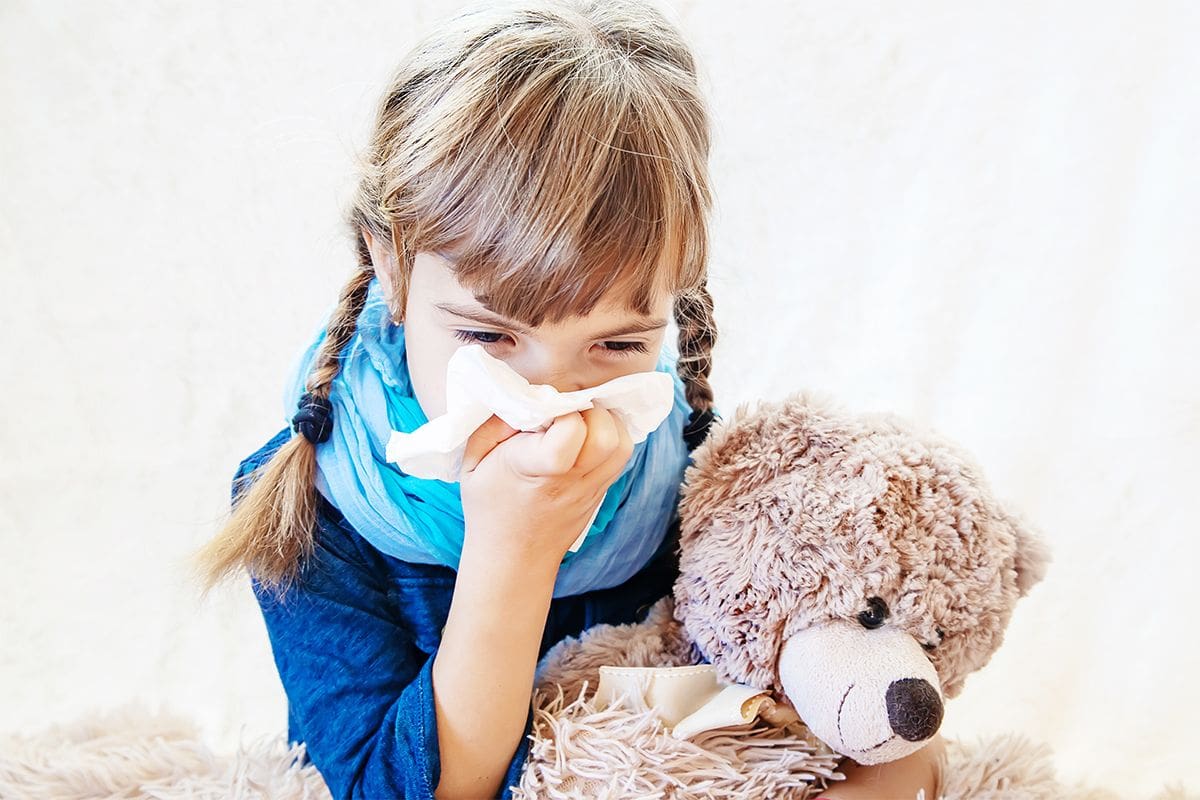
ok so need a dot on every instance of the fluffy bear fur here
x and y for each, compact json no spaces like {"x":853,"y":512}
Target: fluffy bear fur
{"x":795,"y":513}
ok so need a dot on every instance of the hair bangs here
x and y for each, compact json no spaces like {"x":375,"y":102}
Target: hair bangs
{"x":571,"y":190}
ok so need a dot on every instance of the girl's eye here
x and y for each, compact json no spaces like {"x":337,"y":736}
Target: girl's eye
{"x":492,"y":337}
{"x":479,"y":337}
{"x":626,"y":348}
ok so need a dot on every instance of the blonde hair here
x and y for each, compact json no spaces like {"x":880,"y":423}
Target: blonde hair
{"x":560,"y":151}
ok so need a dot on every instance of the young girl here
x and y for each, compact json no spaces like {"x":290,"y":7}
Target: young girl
{"x":536,"y":183}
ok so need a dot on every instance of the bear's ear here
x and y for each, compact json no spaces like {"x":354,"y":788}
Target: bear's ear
{"x":1032,"y":556}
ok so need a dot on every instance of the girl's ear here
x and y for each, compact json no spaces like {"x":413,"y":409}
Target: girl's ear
{"x":384,"y":262}
{"x":382,"y":259}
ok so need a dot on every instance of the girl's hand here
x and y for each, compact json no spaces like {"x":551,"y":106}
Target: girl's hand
{"x":902,"y":779}
{"x":528,"y":494}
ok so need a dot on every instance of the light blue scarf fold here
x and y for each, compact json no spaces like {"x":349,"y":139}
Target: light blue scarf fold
{"x":421,"y":520}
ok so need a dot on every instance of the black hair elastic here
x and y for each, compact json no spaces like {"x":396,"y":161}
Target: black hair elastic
{"x":312,"y":419}
{"x":697,"y":427}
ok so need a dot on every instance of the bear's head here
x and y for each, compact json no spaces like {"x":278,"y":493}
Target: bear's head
{"x":857,"y":567}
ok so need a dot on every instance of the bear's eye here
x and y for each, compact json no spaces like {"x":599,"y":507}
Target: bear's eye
{"x":874,"y":616}
{"x":931,"y":646}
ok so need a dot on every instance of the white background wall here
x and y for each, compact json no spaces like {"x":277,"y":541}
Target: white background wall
{"x":979,"y":215}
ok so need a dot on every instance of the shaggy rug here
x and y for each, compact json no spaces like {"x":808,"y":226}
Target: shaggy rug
{"x":133,"y":753}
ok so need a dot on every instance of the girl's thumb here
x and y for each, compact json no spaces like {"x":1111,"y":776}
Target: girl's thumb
{"x":480,"y":443}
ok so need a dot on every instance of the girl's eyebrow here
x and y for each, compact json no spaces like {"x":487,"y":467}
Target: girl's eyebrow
{"x":487,"y":318}
{"x":642,"y":326}
{"x":481,"y":316}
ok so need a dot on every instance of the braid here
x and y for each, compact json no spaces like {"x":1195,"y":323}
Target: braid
{"x":271,"y":529}
{"x":360,"y":244}
{"x":697,"y":335}
{"x":342,"y":325}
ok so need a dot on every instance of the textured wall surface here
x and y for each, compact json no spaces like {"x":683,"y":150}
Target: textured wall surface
{"x":972,"y":214}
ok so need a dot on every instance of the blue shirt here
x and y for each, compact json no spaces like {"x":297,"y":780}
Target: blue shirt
{"x":354,"y":642}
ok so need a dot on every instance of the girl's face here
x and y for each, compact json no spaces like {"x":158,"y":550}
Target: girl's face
{"x":441,"y":316}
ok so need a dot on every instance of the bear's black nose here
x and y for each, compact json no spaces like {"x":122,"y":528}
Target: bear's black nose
{"x":914,"y":709}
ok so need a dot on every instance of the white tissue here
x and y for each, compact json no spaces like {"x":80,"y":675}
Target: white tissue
{"x":478,"y":385}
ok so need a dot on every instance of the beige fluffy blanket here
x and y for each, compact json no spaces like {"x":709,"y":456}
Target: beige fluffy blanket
{"x":133,"y":753}
{"x":577,"y":751}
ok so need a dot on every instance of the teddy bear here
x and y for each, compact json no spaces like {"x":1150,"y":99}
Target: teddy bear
{"x":840,"y":576}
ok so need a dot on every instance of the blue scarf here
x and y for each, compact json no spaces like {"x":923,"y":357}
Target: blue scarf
{"x":421,"y":520}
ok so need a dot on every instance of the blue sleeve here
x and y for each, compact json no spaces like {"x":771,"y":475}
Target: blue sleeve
{"x":359,"y":690}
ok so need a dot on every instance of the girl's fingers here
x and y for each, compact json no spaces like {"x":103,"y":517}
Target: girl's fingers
{"x":602,"y":437}
{"x":554,"y":451}
{"x":612,"y":465}
{"x":486,"y":436}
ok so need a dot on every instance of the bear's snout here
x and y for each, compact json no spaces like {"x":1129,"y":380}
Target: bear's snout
{"x":914,"y":709}
{"x":871,"y":694}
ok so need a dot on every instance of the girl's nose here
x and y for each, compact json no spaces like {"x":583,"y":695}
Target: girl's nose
{"x":561,"y":383}
{"x":563,"y":377}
